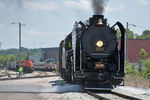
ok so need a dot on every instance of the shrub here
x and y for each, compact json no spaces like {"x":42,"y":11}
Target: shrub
{"x":130,"y":69}
{"x":145,"y":70}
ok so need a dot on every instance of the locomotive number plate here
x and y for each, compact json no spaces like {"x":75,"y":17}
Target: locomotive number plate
{"x":99,"y":65}
{"x":99,"y":49}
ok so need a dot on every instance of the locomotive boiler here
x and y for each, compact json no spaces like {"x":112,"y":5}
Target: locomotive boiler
{"x":91,"y":54}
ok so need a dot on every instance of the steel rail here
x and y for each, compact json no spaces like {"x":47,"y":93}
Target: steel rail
{"x":37,"y":76}
{"x":95,"y":95}
{"x":113,"y":93}
{"x":124,"y":96}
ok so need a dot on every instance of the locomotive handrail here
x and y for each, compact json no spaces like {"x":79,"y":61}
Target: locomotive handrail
{"x":122,"y":50}
{"x":122,"y":29}
{"x":69,"y":50}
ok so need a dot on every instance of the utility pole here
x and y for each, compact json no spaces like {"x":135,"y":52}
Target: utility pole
{"x":0,"y":45}
{"x":19,"y":42}
{"x":126,"y":40}
{"x":127,"y":28}
{"x":34,"y":45}
{"x":127,"y":25}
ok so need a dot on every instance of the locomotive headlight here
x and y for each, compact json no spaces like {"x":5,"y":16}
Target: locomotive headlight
{"x":99,"y":43}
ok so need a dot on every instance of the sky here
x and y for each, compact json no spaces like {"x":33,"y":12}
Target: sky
{"x":47,"y":22}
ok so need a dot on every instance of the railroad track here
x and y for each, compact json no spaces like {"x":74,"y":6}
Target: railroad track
{"x":39,"y":75}
{"x":111,"y":95}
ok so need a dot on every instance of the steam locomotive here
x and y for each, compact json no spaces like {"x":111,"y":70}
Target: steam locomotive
{"x":91,"y":54}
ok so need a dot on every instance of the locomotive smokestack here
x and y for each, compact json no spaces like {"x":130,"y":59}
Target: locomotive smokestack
{"x":96,"y":18}
{"x":98,"y":6}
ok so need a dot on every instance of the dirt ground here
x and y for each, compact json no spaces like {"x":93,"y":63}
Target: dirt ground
{"x":45,"y":96}
{"x":137,"y":81}
{"x":51,"y":88}
{"x":54,"y":88}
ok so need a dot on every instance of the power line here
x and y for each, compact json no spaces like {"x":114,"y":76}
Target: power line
{"x":136,"y":25}
{"x":143,"y":26}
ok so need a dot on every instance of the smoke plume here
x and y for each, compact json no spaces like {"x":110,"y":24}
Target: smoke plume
{"x":98,"y":6}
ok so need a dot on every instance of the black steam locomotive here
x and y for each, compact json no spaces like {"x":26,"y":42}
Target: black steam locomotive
{"x":90,"y":54}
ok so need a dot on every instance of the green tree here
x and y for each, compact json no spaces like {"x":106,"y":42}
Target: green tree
{"x":130,"y":34}
{"x":1,"y":60}
{"x":145,"y":35}
{"x":23,"y":56}
{"x":140,"y":37}
{"x":145,"y":70}
{"x":6,"y":59}
{"x":12,"y":57}
{"x":146,"y":32}
{"x":118,"y":34}
{"x":143,"y":54}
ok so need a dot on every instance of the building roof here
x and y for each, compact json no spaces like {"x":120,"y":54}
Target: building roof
{"x":134,"y":47}
{"x":50,"y":53}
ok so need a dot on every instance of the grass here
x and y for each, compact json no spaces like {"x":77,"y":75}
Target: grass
{"x":137,"y":81}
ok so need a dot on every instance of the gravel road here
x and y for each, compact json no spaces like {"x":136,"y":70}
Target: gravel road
{"x":51,"y":88}
{"x":54,"y":88}
{"x":46,"y":96}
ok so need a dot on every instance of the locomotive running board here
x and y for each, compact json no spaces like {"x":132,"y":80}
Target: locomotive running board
{"x":122,"y":83}
{"x":120,"y":78}
{"x":79,"y":74}
{"x":86,"y":88}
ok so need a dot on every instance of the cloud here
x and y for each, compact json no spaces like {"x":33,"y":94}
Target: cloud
{"x":37,"y":5}
{"x":79,"y":5}
{"x":1,"y":5}
{"x":143,"y":2}
{"x":86,"y":5}
{"x":38,"y":33}
{"x":22,"y":38}
{"x":112,"y":9}
{"x":1,"y":26}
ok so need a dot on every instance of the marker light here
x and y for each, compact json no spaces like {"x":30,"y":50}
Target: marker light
{"x":99,"y":43}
